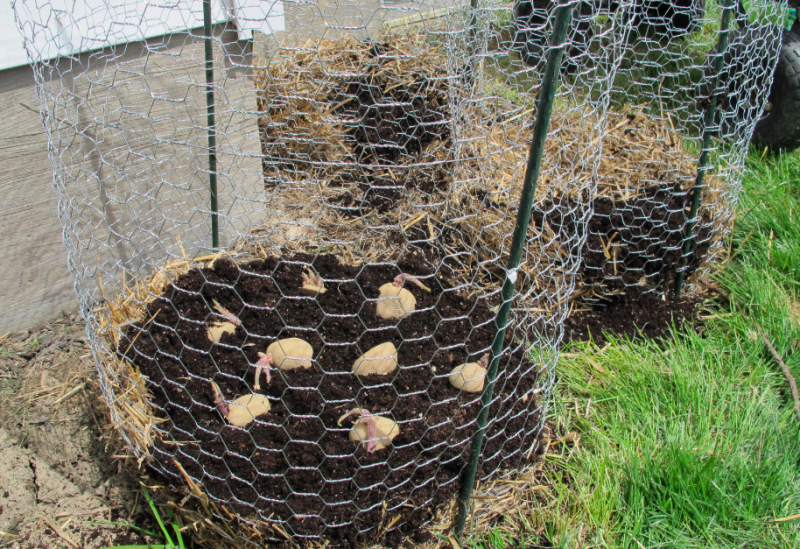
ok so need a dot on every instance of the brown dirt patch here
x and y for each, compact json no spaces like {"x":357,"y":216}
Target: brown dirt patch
{"x":53,"y":462}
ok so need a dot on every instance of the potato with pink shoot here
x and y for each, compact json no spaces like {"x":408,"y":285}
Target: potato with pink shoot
{"x":242,"y":410}
{"x":373,"y":432}
{"x":395,"y":301}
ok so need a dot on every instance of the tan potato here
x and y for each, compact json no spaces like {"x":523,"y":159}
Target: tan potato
{"x":243,"y":410}
{"x":381,"y":359}
{"x":468,"y":377}
{"x":291,"y":353}
{"x":395,"y":302}
{"x":216,"y":330}
{"x":385,"y":431}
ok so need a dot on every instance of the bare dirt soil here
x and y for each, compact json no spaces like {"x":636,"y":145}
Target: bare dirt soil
{"x":56,"y":476}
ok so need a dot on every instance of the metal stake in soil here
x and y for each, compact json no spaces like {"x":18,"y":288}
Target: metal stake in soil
{"x":709,"y":129}
{"x":212,"y":135}
{"x":543,"y":109}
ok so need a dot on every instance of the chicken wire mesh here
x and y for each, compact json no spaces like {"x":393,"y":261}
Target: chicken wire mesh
{"x":362,"y":186}
{"x":639,"y":238}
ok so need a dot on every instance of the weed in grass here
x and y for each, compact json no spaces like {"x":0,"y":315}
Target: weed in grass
{"x":164,"y":537}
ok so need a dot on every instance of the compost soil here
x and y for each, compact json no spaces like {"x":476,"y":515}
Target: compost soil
{"x":389,"y":123}
{"x":635,"y":282}
{"x":390,"y":128}
{"x":631,"y":315}
{"x":295,"y":465}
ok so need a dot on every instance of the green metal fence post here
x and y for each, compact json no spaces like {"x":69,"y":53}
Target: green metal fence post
{"x":543,"y":110}
{"x":212,"y":132}
{"x":708,"y":132}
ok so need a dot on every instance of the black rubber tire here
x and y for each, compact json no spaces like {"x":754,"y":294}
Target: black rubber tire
{"x":743,"y":80}
{"x":780,"y":128}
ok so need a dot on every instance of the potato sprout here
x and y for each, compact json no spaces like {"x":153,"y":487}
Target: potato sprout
{"x":216,"y":330}
{"x":399,"y":279}
{"x":264,"y":362}
{"x":242,"y":410}
{"x":312,"y":284}
{"x":470,"y":377}
{"x":373,"y":432}
{"x":381,"y":360}
{"x":291,"y":353}
{"x":226,"y":314}
{"x":394,"y":300}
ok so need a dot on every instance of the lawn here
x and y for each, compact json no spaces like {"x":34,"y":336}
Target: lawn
{"x":690,"y":442}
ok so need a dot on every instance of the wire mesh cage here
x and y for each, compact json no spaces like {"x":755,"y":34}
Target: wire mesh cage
{"x":660,"y":212}
{"x":289,"y":225}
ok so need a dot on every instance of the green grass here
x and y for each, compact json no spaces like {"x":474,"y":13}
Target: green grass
{"x":693,"y":442}
{"x":164,"y":537}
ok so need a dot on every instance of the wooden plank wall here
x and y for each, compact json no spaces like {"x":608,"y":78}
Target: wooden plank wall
{"x":132,"y":164}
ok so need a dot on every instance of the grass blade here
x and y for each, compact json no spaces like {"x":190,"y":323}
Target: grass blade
{"x":126,"y":525}
{"x":158,"y":517}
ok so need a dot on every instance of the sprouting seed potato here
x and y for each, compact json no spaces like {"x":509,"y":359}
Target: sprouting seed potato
{"x":372,"y":431}
{"x":291,"y":353}
{"x":385,"y":430}
{"x":312,"y":284}
{"x":381,"y":360}
{"x":243,"y":410}
{"x":395,"y":302}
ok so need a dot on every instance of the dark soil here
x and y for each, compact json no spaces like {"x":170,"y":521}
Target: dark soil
{"x":632,"y":314}
{"x":389,"y":124}
{"x":390,"y":128}
{"x":295,"y":466}
{"x":648,"y":232}
{"x":637,"y":282}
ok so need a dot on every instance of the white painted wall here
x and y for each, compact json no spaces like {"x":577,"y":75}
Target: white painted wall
{"x":68,"y":27}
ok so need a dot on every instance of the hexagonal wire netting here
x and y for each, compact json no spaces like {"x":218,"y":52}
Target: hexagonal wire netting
{"x":291,"y":293}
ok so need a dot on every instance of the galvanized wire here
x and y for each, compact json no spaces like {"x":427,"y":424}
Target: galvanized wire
{"x":377,"y":134}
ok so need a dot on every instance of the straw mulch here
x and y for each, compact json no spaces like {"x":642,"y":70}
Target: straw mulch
{"x":332,"y":110}
{"x":332,"y":107}
{"x":644,"y":170}
{"x":134,"y":420}
{"x":135,"y":426}
{"x":356,"y":136}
